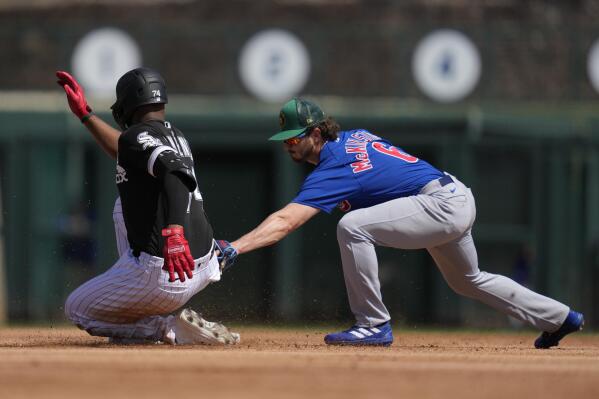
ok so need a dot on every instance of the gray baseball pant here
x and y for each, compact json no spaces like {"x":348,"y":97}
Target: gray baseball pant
{"x":438,"y":219}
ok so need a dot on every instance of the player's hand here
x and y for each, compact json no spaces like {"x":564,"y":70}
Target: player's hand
{"x":225,"y":253}
{"x":75,"y":95}
{"x":176,"y":253}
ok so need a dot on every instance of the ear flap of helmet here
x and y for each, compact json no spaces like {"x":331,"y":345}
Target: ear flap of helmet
{"x":117,"y":114}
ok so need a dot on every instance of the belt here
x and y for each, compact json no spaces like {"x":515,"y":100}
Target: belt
{"x":445,"y":180}
{"x":436,"y":184}
{"x":200,"y":261}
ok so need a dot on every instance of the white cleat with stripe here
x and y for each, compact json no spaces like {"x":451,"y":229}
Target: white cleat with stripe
{"x":189,"y":328}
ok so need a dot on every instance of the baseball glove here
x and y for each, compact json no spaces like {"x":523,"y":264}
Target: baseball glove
{"x":226,"y":254}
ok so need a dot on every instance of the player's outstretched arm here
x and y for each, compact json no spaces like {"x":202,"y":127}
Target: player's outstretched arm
{"x":275,"y":227}
{"x":104,"y":134}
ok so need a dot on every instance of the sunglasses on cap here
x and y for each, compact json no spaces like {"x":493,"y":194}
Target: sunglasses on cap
{"x":296,"y":139}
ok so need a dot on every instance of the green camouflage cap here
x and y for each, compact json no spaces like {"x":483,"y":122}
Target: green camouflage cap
{"x":296,"y":116}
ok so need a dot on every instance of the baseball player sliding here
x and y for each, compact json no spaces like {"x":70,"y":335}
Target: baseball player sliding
{"x":165,"y":242}
{"x":397,"y":200}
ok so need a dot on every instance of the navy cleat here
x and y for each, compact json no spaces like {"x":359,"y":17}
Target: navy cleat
{"x":574,"y":322}
{"x":380,"y":335}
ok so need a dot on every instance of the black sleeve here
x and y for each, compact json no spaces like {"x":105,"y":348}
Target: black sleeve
{"x":141,"y":148}
{"x":170,"y":163}
{"x":176,"y":197}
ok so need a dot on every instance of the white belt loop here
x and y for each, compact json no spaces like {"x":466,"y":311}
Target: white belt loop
{"x":430,"y":187}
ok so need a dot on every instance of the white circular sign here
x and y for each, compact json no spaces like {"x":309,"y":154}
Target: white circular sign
{"x":446,"y":65}
{"x":274,"y":65}
{"x":101,"y":57}
{"x":593,"y":65}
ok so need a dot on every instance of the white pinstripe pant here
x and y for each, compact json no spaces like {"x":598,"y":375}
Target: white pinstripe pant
{"x":120,"y":231}
{"x":129,"y":299}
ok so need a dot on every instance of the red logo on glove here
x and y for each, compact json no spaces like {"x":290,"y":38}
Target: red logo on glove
{"x":177,"y":249}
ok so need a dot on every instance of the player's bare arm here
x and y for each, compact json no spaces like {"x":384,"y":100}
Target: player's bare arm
{"x":275,"y":227}
{"x":104,"y":134}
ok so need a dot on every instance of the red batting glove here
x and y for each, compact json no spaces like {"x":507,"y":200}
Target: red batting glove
{"x":176,"y":253}
{"x":77,"y":101}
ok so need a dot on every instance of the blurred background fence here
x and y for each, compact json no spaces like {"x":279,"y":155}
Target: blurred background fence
{"x":526,"y":139}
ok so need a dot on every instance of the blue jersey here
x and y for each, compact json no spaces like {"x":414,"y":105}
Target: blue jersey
{"x":359,"y":170}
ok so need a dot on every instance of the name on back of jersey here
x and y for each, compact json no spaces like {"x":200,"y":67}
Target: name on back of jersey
{"x":356,"y":145}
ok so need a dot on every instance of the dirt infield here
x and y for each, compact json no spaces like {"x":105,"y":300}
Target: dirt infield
{"x":279,"y":363}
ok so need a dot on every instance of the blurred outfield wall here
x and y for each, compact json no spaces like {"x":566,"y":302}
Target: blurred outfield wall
{"x":530,"y":50}
{"x":535,"y":175}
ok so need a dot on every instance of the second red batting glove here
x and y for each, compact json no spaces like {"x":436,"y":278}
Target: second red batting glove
{"x":75,"y":95}
{"x":176,"y":253}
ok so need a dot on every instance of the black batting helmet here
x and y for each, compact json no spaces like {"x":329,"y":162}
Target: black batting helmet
{"x":140,"y":86}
